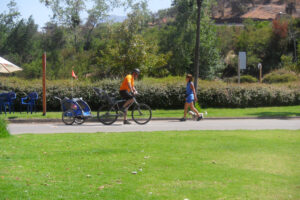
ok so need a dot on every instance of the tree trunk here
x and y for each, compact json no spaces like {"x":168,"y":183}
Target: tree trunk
{"x":196,"y":61}
{"x":223,"y":9}
{"x":295,"y":50}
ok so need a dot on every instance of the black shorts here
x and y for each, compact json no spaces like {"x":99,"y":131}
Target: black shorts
{"x":125,"y":95}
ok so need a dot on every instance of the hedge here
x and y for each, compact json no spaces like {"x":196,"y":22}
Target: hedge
{"x":166,"y":96}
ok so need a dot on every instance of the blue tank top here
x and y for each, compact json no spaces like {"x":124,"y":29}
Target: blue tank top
{"x":189,"y":90}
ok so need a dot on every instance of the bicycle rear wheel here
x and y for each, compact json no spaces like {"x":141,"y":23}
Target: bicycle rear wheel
{"x":79,"y":120}
{"x":141,"y":114}
{"x":107,"y":115}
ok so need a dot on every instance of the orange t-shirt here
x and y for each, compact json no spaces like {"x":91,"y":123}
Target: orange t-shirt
{"x":128,"y":79}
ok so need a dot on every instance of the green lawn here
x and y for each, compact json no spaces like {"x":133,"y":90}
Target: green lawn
{"x":285,"y":111}
{"x":169,"y":165}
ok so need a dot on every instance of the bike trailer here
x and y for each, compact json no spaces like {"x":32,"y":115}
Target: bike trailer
{"x":80,"y":107}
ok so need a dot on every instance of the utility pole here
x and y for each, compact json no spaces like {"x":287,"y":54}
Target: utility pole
{"x":44,"y":84}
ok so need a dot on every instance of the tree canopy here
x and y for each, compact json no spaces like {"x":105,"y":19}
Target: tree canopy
{"x":161,"y":43}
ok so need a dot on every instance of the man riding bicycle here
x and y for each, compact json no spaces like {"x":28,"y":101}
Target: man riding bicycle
{"x":127,"y":90}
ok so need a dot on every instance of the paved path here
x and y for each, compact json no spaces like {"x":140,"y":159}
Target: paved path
{"x":245,"y":124}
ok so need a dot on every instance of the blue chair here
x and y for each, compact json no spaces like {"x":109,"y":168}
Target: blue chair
{"x":30,"y":101}
{"x":3,"y":99}
{"x":11,"y":97}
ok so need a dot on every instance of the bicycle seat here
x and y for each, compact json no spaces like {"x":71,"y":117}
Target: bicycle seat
{"x":103,"y":95}
{"x":98,"y":91}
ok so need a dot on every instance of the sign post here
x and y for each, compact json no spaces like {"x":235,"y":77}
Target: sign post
{"x":239,"y":71}
{"x":44,"y":84}
{"x":242,"y":64}
{"x":260,"y":72}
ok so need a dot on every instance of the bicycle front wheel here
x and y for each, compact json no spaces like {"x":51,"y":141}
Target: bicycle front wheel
{"x":107,"y":115}
{"x":141,"y":114}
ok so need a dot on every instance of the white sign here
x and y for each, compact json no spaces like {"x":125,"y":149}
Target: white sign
{"x":259,"y":65}
{"x":242,"y":60}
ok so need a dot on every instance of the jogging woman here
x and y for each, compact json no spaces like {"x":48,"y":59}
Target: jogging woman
{"x":191,"y":96}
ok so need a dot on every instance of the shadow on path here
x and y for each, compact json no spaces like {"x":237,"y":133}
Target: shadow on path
{"x":276,"y":114}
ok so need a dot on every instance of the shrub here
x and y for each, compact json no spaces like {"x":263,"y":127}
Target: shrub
{"x":287,"y":63}
{"x":248,"y":79}
{"x":243,"y":79}
{"x":164,"y":95}
{"x":3,"y":128}
{"x":280,"y":76}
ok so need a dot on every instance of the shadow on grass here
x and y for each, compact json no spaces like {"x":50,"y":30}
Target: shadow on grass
{"x":12,"y":117}
{"x":276,"y":114}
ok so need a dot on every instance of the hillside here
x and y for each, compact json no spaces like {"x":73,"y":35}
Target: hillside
{"x":237,"y":10}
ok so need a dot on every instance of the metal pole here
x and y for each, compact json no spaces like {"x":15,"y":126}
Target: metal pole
{"x":44,"y":84}
{"x":260,"y":72}
{"x":72,"y":88}
{"x":260,"y":75}
{"x":72,"y":82}
{"x":239,"y":72}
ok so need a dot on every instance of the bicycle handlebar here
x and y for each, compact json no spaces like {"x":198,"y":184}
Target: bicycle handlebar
{"x":55,"y":97}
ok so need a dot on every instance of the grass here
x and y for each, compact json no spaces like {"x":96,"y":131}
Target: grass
{"x":169,"y":165}
{"x":285,"y":111}
{"x":3,"y":128}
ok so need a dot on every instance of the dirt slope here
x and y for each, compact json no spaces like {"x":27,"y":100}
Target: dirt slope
{"x":237,"y":10}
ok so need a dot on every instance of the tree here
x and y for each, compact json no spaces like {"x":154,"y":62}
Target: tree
{"x":264,"y":43}
{"x":69,"y":12}
{"x":196,"y":61}
{"x":293,"y":34}
{"x":54,"y":43}
{"x":179,"y":38}
{"x":21,"y":40}
{"x":291,"y":7}
{"x":255,"y":40}
{"x":126,"y":48}
{"x":7,"y":22}
{"x":298,"y":64}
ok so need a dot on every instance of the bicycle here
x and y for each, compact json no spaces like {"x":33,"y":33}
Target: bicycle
{"x":108,"y":114}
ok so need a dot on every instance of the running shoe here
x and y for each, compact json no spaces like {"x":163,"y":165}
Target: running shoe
{"x":126,"y":122}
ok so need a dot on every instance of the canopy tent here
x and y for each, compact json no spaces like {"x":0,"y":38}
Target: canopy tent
{"x":8,"y":67}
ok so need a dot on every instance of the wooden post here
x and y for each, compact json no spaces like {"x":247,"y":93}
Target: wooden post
{"x":44,"y":85}
{"x":260,"y":75}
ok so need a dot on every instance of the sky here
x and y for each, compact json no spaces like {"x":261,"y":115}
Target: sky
{"x":41,"y":14}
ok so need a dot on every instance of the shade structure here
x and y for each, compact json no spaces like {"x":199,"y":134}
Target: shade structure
{"x":8,"y":67}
